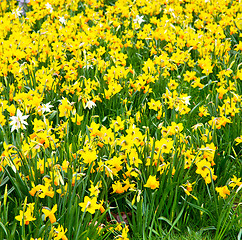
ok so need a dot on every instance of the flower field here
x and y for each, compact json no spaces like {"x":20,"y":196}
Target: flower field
{"x":120,"y":119}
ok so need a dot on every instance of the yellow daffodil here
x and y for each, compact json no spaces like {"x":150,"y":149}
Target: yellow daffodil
{"x":152,"y":183}
{"x":89,"y":205}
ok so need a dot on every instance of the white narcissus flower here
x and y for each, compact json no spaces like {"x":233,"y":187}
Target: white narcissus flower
{"x":18,"y":121}
{"x":46,"y":107}
{"x":49,"y":7}
{"x":139,"y":19}
{"x":90,"y":104}
{"x":186,"y":100}
{"x":62,"y":20}
{"x":17,"y":12}
{"x":22,"y":6}
{"x":87,"y":66}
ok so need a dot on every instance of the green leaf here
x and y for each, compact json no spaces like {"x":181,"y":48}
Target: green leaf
{"x":4,"y":229}
{"x":169,"y":222}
